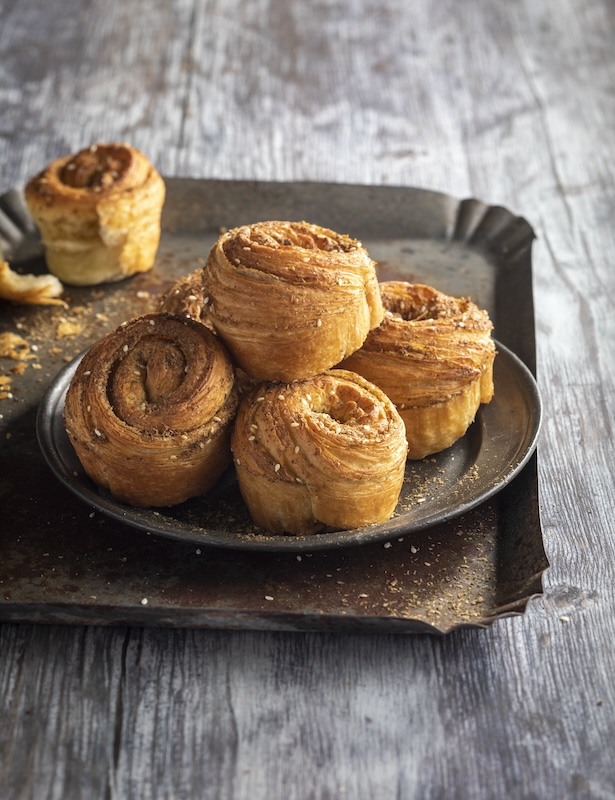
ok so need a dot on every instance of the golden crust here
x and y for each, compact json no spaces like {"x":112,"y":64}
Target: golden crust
{"x":325,"y":451}
{"x":188,"y":297}
{"x":98,"y":212}
{"x":290,"y":299}
{"x":41,"y":290}
{"x":149,"y":410}
{"x":433,"y":356}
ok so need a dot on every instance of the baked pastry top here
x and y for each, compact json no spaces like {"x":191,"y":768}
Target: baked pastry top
{"x":149,"y":410}
{"x":433,"y":356}
{"x":290,"y":299}
{"x":324,"y":451}
{"x":98,"y":212}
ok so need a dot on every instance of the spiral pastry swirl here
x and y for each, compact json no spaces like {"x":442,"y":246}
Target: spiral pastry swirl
{"x":290,"y":299}
{"x":98,"y":212}
{"x":325,"y":451}
{"x":433,"y":356}
{"x":149,"y":410}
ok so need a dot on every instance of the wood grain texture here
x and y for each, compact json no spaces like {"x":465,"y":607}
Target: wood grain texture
{"x":512,"y":103}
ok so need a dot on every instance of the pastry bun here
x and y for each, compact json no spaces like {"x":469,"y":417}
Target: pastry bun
{"x":433,"y":356}
{"x":290,"y":299}
{"x":98,"y":212}
{"x":325,"y":451}
{"x":149,"y":410}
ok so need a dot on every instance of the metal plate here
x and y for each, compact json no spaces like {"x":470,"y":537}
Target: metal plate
{"x":63,"y":561}
{"x":495,"y":448}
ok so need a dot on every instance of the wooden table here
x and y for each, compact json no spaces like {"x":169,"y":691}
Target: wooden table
{"x":511,"y":103}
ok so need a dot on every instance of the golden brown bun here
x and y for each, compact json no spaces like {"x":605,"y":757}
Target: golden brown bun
{"x":433,"y":356}
{"x":290,"y":299}
{"x":325,"y":451}
{"x":149,"y":410}
{"x":98,"y":212}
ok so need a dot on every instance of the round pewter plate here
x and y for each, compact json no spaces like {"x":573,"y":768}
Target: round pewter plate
{"x":438,"y":488}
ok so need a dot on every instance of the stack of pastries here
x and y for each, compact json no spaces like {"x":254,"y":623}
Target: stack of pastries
{"x":284,"y":354}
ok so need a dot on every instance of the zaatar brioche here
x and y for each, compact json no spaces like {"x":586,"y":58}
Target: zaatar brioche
{"x":98,"y":212}
{"x":290,"y":299}
{"x":324,"y":451}
{"x":433,"y":356}
{"x":149,"y":410}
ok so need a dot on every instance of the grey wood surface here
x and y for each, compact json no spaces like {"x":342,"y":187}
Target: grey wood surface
{"x":513,"y":103}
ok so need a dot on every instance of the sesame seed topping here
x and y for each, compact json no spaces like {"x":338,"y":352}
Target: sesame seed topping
{"x":87,"y":372}
{"x":173,"y":458}
{"x":125,"y":348}
{"x":251,"y":438}
{"x":294,"y":424}
{"x":277,"y":468}
{"x":217,"y":419}
{"x":151,"y":322}
{"x":97,"y":432}
{"x":205,"y":301}
{"x":318,"y":323}
{"x":260,"y":399}
{"x":296,"y":448}
{"x":280,"y":397}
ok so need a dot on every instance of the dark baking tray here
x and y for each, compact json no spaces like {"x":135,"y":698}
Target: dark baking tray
{"x":61,"y":560}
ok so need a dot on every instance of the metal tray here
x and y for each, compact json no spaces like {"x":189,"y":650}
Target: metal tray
{"x":63,"y":561}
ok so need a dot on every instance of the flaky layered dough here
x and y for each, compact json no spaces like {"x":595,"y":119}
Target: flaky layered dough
{"x":433,"y":356}
{"x":188,"y":297}
{"x":149,"y":410}
{"x":290,"y":299}
{"x":98,"y":212}
{"x":324,"y":451}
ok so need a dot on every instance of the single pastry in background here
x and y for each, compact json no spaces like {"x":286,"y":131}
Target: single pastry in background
{"x":290,"y":299}
{"x":324,"y":451}
{"x":433,"y":356}
{"x":98,"y":212}
{"x":150,"y":408}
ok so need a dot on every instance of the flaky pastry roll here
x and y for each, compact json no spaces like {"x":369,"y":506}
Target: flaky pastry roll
{"x":433,"y":356}
{"x":325,"y":451}
{"x":98,"y":212}
{"x":149,"y":410}
{"x":291,"y":299}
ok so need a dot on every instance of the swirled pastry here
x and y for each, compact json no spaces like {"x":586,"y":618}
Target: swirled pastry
{"x":433,"y":356}
{"x":98,"y":212}
{"x":149,"y":410}
{"x":290,"y":299}
{"x":325,"y":451}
